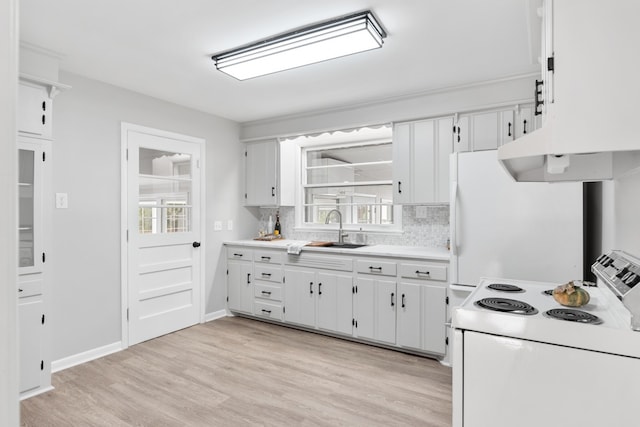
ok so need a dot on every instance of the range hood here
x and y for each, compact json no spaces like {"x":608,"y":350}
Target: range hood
{"x":591,"y":122}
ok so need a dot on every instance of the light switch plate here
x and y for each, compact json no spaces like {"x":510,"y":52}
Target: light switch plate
{"x":217,"y":226}
{"x":229,"y":225}
{"x":62,"y":200}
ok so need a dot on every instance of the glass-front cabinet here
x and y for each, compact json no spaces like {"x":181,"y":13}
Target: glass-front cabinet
{"x":33,"y":177}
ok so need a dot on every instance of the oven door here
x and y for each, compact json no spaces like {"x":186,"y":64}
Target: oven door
{"x":507,"y":382}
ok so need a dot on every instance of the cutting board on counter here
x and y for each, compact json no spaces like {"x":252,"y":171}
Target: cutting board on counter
{"x":319,"y":244}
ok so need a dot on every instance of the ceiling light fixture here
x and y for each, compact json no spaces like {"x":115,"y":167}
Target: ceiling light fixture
{"x":327,"y":40}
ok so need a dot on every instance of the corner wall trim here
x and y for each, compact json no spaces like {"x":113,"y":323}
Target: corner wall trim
{"x":87,"y":356}
{"x":215,"y":315}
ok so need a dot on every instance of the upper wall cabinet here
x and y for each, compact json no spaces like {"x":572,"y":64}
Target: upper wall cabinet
{"x":269,"y":173}
{"x":488,"y":130}
{"x":421,"y":161}
{"x":34,"y":110}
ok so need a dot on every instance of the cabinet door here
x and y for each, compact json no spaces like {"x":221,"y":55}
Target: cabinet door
{"x":444,"y":150}
{"x":434,"y":317}
{"x":300,"y":290}
{"x":261,"y":173}
{"x":485,"y":131}
{"x":335,"y":302}
{"x":410,"y":324}
{"x":402,"y":160}
{"x":30,"y":206}
{"x":423,"y":176}
{"x":240,"y":286}
{"x":526,"y":121}
{"x":34,"y":110}
{"x":30,"y":337}
{"x":376,"y":309}
{"x":461,"y":135}
{"x":507,"y":127}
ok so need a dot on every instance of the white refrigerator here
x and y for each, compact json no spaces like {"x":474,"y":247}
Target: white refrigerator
{"x":508,"y":229}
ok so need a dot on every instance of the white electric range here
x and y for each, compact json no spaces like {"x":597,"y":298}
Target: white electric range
{"x":516,"y":364}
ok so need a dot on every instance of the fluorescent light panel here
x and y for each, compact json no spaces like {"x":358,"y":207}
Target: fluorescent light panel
{"x":340,"y":37}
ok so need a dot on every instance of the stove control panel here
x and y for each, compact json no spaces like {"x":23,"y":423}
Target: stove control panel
{"x":621,"y":273}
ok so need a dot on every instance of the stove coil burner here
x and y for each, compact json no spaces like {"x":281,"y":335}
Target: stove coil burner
{"x":573,"y":315}
{"x":505,"y":288}
{"x":506,"y":305}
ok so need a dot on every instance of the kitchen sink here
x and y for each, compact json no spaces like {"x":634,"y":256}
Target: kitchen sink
{"x":345,"y":245}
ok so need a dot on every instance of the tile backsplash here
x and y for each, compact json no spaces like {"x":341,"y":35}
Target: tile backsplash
{"x":430,"y":230}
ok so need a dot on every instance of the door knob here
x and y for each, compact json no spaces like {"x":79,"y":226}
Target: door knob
{"x":196,"y":244}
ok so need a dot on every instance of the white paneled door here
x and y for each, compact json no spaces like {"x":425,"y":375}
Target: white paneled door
{"x":162,"y":281}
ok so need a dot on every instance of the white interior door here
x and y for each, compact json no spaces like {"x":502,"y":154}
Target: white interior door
{"x":163,"y":228}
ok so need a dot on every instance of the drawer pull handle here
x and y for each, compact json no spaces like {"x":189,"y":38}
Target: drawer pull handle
{"x":266,"y":292}
{"x":375,"y":268}
{"x":237,"y":254}
{"x":319,"y":288}
{"x":266,"y":274}
{"x":426,"y":273}
{"x":403,"y":301}
{"x":392,"y":303}
{"x":248,"y":277}
{"x":266,"y":311}
{"x":311,"y":287}
{"x":266,"y":258}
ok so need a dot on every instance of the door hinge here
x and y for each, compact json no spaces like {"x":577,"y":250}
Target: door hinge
{"x":284,"y":279}
{"x":43,"y":257}
{"x":227,"y":271}
{"x":353,"y":322}
{"x":127,"y":314}
{"x":446,"y":341}
{"x":126,"y":154}
{"x":446,"y":300}
{"x":43,"y":319}
{"x":44,"y":156}
{"x":245,"y":153}
{"x":550,"y":64}
{"x":127,"y":235}
{"x":245,"y":195}
{"x":42,"y":365}
{"x":284,"y":309}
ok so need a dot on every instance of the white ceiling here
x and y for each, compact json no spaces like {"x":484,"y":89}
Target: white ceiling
{"x":162,"y":48}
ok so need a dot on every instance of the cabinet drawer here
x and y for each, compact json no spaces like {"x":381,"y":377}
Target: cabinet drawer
{"x":373,"y":266}
{"x":270,"y":292}
{"x":271,"y":257}
{"x":28,"y":287}
{"x":424,"y":271}
{"x":239,"y":253}
{"x":265,"y":309}
{"x":268,"y":273}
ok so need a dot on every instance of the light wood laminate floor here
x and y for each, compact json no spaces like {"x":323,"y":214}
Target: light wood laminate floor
{"x":236,"y":371}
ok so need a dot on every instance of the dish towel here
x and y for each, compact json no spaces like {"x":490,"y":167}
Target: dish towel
{"x":295,"y":248}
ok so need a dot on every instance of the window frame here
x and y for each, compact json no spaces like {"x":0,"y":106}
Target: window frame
{"x":301,"y":205}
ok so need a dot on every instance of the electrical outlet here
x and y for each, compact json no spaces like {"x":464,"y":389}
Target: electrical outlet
{"x":62,"y":200}
{"x":217,"y":226}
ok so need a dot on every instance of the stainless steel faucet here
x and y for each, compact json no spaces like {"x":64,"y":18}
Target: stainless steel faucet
{"x":341,"y":236}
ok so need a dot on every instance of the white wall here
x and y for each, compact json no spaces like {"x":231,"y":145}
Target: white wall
{"x":621,"y":219}
{"x":9,"y":407}
{"x":86,"y":242}
{"x":428,"y":104}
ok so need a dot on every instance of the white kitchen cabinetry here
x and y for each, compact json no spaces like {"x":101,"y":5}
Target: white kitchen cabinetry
{"x":34,"y":228}
{"x":422,"y":293}
{"x":485,"y":130}
{"x":375,"y":309}
{"x":34,"y":110}
{"x":317,"y":298}
{"x":526,"y":120}
{"x":421,"y":161}
{"x":269,"y":173}
{"x":267,"y":284}
{"x":240,"y":291}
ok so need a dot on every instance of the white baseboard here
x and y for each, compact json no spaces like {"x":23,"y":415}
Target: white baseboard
{"x":87,"y":356}
{"x":35,"y":392}
{"x":215,"y":315}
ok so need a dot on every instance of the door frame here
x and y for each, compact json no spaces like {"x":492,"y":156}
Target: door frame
{"x":124,"y":207}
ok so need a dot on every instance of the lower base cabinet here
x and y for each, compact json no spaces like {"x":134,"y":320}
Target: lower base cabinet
{"x":240,"y":286}
{"x":30,"y":318}
{"x":318,"y":299}
{"x":421,"y":317}
{"x":375,"y":315}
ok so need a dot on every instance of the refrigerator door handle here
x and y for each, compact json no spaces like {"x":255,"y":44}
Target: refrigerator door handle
{"x":454,"y":218}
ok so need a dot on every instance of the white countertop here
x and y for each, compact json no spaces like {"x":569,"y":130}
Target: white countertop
{"x":417,"y":252}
